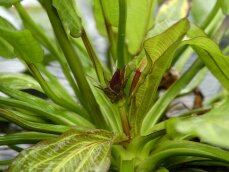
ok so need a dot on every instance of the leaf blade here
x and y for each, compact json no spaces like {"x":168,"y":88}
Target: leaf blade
{"x":73,"y":151}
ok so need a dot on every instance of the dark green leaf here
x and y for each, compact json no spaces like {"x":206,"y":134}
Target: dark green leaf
{"x":8,"y":3}
{"x":73,"y":151}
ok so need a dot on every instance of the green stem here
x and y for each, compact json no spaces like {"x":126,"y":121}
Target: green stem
{"x":211,"y":15}
{"x":75,"y":65}
{"x":205,"y":24}
{"x":52,"y":79}
{"x":221,"y":30}
{"x":97,"y":65}
{"x":46,"y":42}
{"x":109,"y":34}
{"x":121,"y":33}
{"x":58,"y":100}
{"x":124,"y":119}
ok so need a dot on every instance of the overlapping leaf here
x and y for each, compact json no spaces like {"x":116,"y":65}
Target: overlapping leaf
{"x":73,"y":151}
{"x":212,"y":57}
{"x":25,"y":46}
{"x":67,"y":12}
{"x":139,"y":19}
{"x":211,"y":127}
{"x":173,"y":10}
{"x":160,"y":50}
{"x":19,"y":81}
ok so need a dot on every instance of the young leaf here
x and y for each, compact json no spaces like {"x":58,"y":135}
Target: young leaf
{"x":160,"y":50}
{"x":211,"y":127}
{"x":67,"y":12}
{"x":73,"y":151}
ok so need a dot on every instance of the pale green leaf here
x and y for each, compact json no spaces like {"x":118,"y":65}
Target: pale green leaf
{"x":106,"y":12}
{"x":19,"y":81}
{"x":200,"y":10}
{"x":71,"y":152}
{"x":140,"y":16}
{"x":173,"y":10}
{"x":68,"y":14}
{"x":160,"y":50}
{"x":211,"y":127}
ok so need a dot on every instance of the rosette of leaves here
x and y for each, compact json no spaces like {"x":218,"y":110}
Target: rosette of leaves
{"x":122,"y":125}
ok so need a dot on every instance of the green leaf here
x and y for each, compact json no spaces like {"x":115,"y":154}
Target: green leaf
{"x":173,"y":10}
{"x":160,"y":50}
{"x":225,"y":6}
{"x":73,"y":151}
{"x":200,"y":10}
{"x":43,"y":108}
{"x":156,"y":111}
{"x":32,"y":126}
{"x":19,"y":81}
{"x":68,"y":14}
{"x":6,"y":50}
{"x":108,"y":110}
{"x":108,"y":10}
{"x":8,"y":3}
{"x":213,"y":58}
{"x":212,"y":127}
{"x":24,"y":137}
{"x":25,"y":46}
{"x":139,"y":20}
